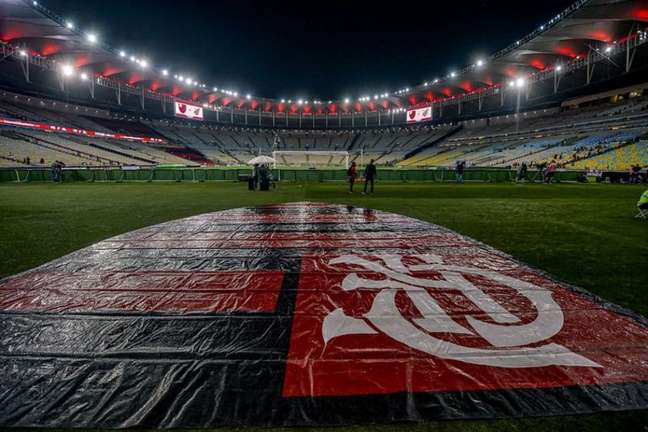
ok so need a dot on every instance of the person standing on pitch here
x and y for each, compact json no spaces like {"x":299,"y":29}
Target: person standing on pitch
{"x":352,"y":174}
{"x":461,"y":166}
{"x":370,"y":176}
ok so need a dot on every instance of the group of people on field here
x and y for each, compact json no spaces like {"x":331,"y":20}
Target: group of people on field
{"x":261,"y":178}
{"x":370,"y":175}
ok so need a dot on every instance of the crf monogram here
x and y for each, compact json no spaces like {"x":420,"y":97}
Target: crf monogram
{"x":508,"y":336}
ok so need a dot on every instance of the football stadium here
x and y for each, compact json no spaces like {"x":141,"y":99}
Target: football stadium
{"x":467,"y":252}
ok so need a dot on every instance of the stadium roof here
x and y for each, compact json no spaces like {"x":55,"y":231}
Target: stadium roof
{"x":569,"y":36}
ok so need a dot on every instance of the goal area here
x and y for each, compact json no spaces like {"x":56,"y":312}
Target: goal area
{"x":310,"y":159}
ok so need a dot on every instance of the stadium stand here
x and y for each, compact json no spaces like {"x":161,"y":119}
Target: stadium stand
{"x":606,"y":135}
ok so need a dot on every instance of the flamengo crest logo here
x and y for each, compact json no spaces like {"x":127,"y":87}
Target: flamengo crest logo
{"x":419,"y":115}
{"x":188,"y":111}
{"x":508,"y":337}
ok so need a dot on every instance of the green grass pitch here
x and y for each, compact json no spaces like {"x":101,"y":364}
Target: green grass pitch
{"x":583,"y":234}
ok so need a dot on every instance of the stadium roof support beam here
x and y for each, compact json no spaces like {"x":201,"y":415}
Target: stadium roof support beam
{"x":24,"y":65}
{"x":590,"y":66}
{"x":629,"y":49}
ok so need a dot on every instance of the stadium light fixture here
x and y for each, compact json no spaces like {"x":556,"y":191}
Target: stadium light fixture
{"x":69,"y":25}
{"x":248,"y":97}
{"x":165,"y":72}
{"x":122,"y":53}
{"x":346,"y":100}
{"x":511,"y":84}
{"x":300,"y":102}
{"x":67,"y":70}
{"x":84,"y":76}
{"x":215,"y":89}
{"x":436,"y":80}
{"x":480,"y":63}
{"x":92,"y":38}
{"x":283,"y":100}
{"x":35,"y":3}
{"x":22,"y":53}
{"x":520,"y":82}
{"x":143,"y":64}
{"x":558,"y":68}
{"x":453,"y":74}
{"x":608,"y":49}
{"x":235,"y":94}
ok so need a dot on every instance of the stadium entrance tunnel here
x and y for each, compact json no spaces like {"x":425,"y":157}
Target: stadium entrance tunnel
{"x":305,"y":314}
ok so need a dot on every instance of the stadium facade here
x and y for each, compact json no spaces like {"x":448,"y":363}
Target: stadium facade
{"x":61,"y":77}
{"x":591,"y":46}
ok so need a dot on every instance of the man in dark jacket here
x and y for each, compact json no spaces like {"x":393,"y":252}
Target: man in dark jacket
{"x":370,"y":176}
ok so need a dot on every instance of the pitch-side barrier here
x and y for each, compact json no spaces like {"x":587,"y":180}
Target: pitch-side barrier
{"x":147,"y":174}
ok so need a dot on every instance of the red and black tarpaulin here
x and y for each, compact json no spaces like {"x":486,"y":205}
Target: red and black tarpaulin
{"x":305,"y":314}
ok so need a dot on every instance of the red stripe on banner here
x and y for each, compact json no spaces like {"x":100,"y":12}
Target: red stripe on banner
{"x":397,"y":243}
{"x":253,"y":291}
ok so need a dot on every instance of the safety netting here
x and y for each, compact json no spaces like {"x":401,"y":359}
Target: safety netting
{"x":305,"y":314}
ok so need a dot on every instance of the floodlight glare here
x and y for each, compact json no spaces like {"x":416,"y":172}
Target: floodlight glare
{"x":84,"y":76}
{"x":165,"y":72}
{"x":67,"y":70}
{"x":69,"y":25}
{"x":480,"y":63}
{"x":122,"y":54}
{"x":92,"y":38}
{"x":519,"y":83}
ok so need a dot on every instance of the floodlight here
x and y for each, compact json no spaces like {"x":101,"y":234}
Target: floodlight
{"x":67,"y":70}
{"x":92,"y":38}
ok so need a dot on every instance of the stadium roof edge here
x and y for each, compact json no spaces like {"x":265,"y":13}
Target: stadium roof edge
{"x":586,"y":25}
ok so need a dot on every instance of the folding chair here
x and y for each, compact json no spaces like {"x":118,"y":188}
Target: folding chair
{"x":643,"y":214}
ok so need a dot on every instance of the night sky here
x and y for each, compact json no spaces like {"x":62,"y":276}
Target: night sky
{"x":311,"y":50}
